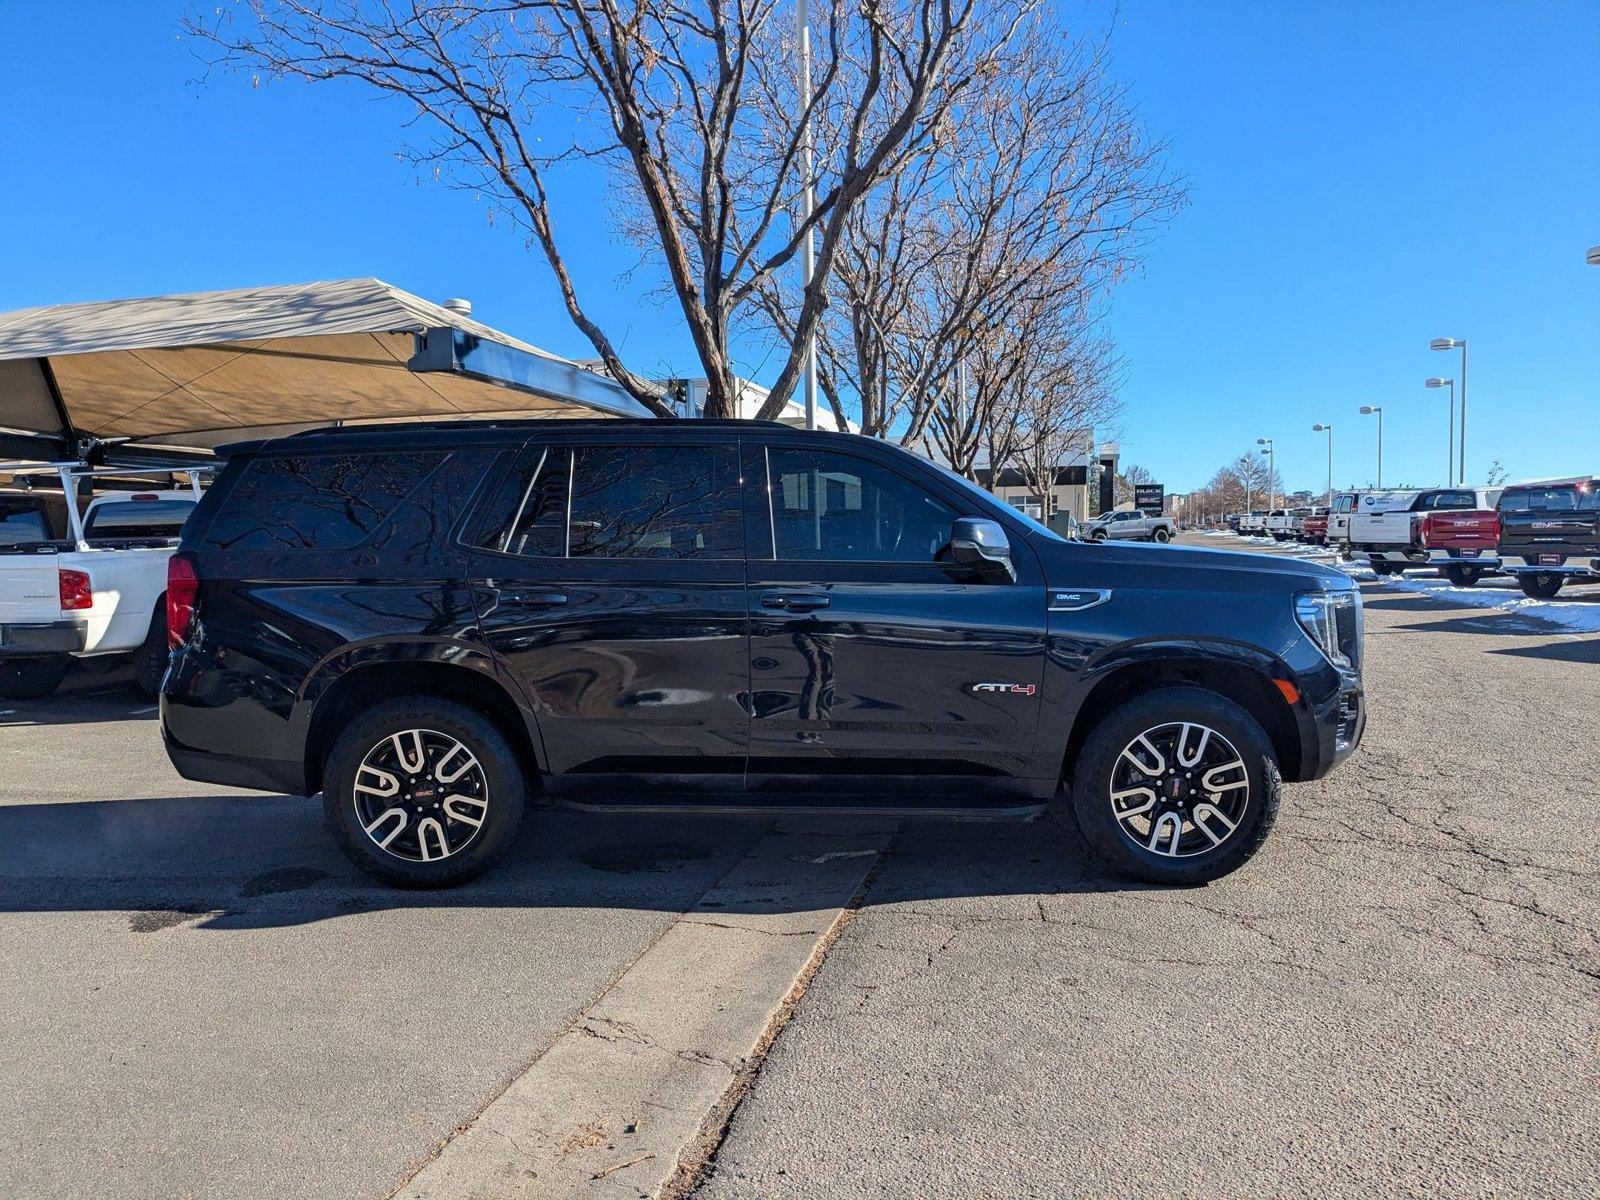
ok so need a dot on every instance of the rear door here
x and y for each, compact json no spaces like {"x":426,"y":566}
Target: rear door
{"x":610,"y":582}
{"x":870,"y":656}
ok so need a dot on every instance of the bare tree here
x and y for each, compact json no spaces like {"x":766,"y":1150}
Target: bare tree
{"x":1128,"y":479}
{"x":691,"y":105}
{"x":1040,"y":193}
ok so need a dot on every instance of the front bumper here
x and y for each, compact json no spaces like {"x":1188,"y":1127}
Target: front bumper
{"x":1331,"y":726}
{"x":53,"y":637}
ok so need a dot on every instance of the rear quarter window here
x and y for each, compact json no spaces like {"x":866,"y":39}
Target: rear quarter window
{"x":316,"y":501}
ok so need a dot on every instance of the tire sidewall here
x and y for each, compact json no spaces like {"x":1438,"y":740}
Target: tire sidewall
{"x":1091,"y":799}
{"x":502,"y":771}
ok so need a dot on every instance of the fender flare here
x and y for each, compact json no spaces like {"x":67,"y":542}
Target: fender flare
{"x":448,"y":652}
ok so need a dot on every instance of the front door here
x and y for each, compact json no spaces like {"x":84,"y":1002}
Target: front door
{"x":868,"y":656}
{"x":610,"y":583}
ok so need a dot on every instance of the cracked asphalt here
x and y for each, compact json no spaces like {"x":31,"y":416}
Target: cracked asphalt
{"x":1400,"y":996}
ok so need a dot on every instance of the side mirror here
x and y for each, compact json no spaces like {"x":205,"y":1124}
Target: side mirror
{"x":980,"y":545}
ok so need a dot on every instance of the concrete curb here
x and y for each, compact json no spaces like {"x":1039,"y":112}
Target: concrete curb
{"x":609,"y":1108}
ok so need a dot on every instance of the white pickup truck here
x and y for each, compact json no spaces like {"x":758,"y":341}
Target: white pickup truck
{"x":85,"y":580}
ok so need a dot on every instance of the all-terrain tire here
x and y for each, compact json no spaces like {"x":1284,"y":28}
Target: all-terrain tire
{"x":150,"y":659}
{"x":1463,"y":576}
{"x":505,"y":790}
{"x":1092,"y":806}
{"x":1161,"y":535}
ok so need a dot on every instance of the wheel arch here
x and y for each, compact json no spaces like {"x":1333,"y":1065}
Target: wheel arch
{"x":353,"y":685}
{"x":1242,"y":679}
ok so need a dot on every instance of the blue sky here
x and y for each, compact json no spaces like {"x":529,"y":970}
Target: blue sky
{"x":1362,"y":177}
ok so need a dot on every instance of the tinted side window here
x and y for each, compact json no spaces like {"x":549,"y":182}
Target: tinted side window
{"x":530,"y":507}
{"x":655,"y":502}
{"x":315,"y":501}
{"x":835,"y":507}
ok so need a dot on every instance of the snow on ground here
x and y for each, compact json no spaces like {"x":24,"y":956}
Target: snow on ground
{"x":1576,"y":608}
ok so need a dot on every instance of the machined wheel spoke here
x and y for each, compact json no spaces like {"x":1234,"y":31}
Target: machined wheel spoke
{"x":388,"y":785}
{"x":468,"y":809}
{"x":459,"y":754}
{"x":408,"y":750}
{"x":1213,"y":784}
{"x":1168,"y":826}
{"x":429,"y":830}
{"x":1190,"y":760}
{"x":396,"y":818}
{"x":1204,"y":814}
{"x":1143,"y":743}
{"x":1146,"y":800}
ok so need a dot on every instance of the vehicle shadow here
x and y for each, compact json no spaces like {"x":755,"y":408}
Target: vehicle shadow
{"x":245,"y":861}
{"x":1586,"y":651}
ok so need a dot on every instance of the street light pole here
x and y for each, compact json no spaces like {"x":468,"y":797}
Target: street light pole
{"x":1272,"y":472}
{"x":1452,"y":344}
{"x":808,"y":249}
{"x":1327,"y":429}
{"x":1368,"y":410}
{"x":1450,"y":430}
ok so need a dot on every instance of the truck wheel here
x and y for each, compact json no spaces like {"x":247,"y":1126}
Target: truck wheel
{"x":1463,"y":576}
{"x":32,"y":676}
{"x":423,"y":792}
{"x":150,"y":659}
{"x":1540,"y":587}
{"x":1176,"y":786}
{"x":1099,"y":535}
{"x":1161,"y":535}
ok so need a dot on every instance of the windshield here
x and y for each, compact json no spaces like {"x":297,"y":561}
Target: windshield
{"x":971,"y":488}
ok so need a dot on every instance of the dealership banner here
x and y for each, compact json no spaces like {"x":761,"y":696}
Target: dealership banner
{"x":1150,"y":497}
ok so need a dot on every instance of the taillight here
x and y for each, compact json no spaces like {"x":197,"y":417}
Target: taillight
{"x":183,"y":586}
{"x":1419,"y":530}
{"x":75,"y":588}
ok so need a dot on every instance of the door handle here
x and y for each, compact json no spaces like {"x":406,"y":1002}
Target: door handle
{"x":794,"y":601}
{"x":534,"y":599}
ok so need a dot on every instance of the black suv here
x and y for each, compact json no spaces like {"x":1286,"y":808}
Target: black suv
{"x":425,"y":623}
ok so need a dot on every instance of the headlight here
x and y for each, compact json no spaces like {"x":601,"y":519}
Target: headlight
{"x":1333,"y":621}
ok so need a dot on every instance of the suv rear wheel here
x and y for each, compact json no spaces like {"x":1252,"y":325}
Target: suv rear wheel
{"x":1176,"y":786}
{"x":423,"y":792}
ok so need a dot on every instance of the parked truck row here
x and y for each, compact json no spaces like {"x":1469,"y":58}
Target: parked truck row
{"x":1544,"y":535}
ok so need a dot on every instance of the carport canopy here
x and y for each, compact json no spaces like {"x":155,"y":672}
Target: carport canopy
{"x":197,"y":370}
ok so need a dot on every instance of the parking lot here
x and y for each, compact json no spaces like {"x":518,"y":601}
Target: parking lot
{"x":1398,"y":996}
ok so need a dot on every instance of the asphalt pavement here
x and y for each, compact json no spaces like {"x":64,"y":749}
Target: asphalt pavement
{"x":1400,"y":996}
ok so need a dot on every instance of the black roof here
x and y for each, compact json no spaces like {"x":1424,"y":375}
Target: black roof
{"x":404,"y":434}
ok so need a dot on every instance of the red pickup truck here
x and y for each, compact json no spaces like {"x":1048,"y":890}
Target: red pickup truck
{"x":1454,"y":529}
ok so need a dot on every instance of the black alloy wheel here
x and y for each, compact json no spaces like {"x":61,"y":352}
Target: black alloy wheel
{"x":1180,"y":785}
{"x":423,"y":792}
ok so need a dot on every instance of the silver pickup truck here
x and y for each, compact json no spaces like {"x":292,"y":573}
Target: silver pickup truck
{"x":1129,"y":525}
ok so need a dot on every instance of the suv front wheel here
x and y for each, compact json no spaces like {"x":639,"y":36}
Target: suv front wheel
{"x":423,"y":792}
{"x":1177,"y":786}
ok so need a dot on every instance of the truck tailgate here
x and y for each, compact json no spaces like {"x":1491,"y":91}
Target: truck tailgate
{"x":29,"y":592}
{"x":1471,"y":529}
{"x":1377,"y":529}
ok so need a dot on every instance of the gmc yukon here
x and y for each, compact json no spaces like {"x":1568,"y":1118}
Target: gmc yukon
{"x":432,"y":625}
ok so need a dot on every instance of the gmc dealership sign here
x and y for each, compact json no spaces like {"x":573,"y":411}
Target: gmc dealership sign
{"x":1150,"y":497}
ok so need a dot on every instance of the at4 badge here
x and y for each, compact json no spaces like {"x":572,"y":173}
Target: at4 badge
{"x":1010,"y":689}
